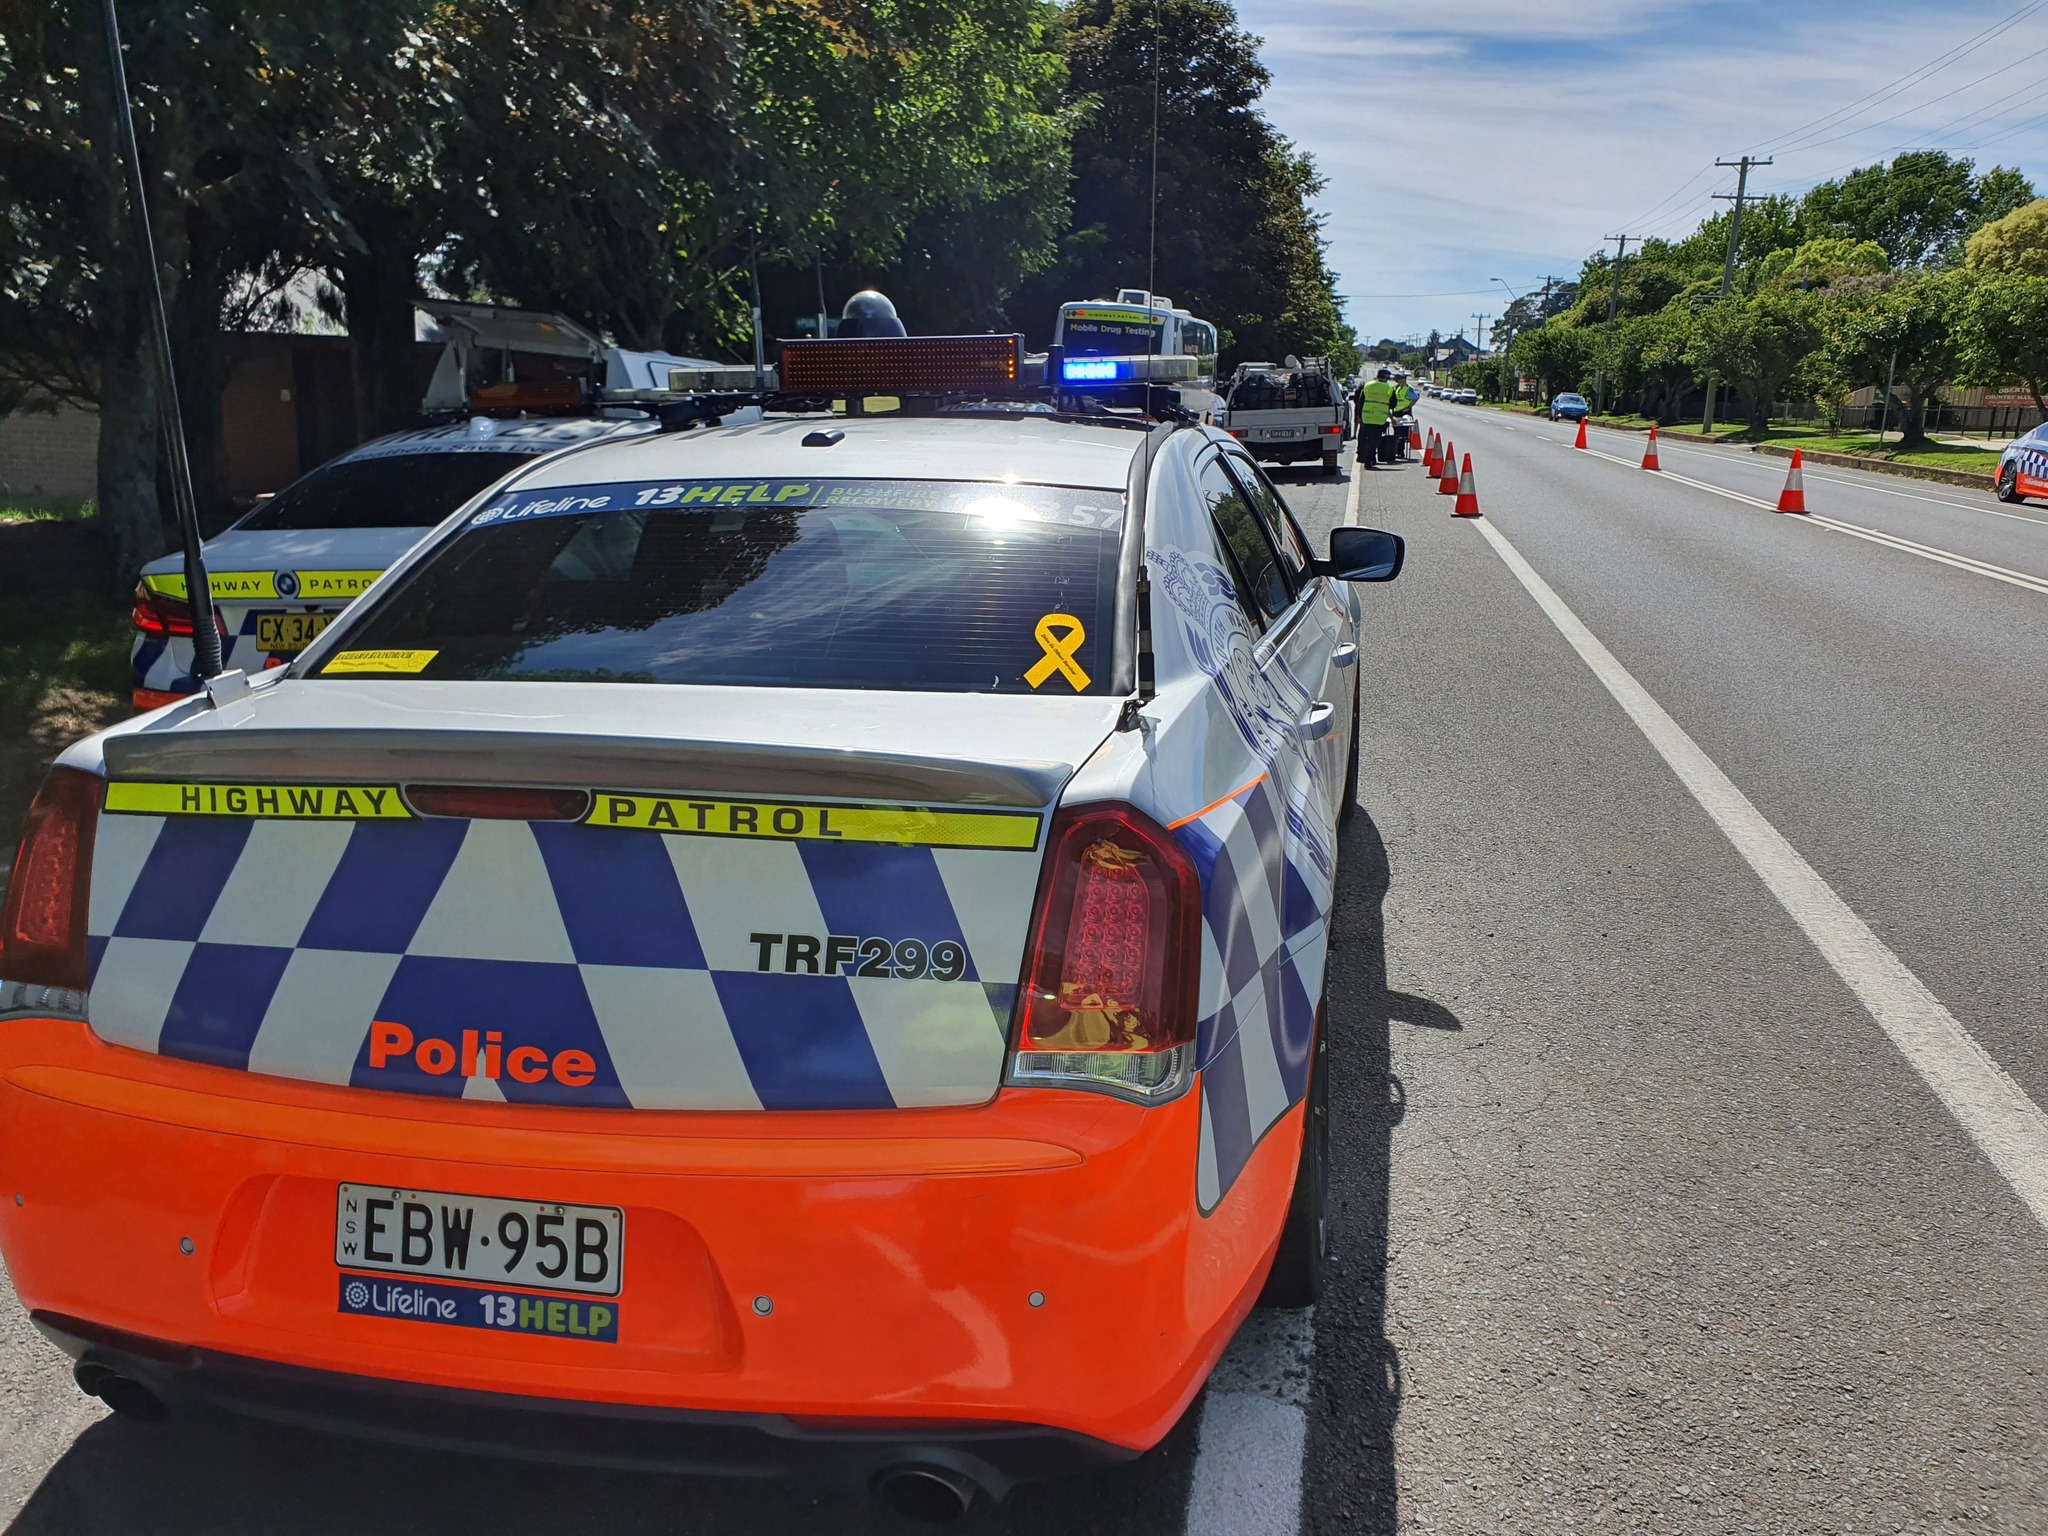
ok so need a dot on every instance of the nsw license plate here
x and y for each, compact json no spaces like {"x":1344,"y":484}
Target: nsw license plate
{"x":1283,"y":432}
{"x":281,"y":633}
{"x":516,"y":1243}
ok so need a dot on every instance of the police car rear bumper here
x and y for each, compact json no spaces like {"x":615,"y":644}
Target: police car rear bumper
{"x":624,"y":1437}
{"x":1036,"y":1261}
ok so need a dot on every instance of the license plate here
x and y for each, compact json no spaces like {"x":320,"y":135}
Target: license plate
{"x":524,"y":1243}
{"x":1282,"y":432}
{"x":287,"y":632}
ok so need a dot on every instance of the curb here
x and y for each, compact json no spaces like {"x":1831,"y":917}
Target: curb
{"x":1975,"y":479}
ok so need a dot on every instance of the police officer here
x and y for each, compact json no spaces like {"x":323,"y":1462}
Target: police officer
{"x":1405,"y":396}
{"x":1375,"y":410}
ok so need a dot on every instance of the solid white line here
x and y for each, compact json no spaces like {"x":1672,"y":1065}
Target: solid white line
{"x":1351,"y":495}
{"x":2008,"y":1127}
{"x":1254,"y":1431}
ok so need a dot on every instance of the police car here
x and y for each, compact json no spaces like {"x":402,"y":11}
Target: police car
{"x":794,"y":938}
{"x":2023,"y":467}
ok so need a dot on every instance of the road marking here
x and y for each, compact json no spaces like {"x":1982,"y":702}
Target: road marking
{"x":1254,"y":1431}
{"x":2008,"y":1127}
{"x":1351,"y":496}
{"x":1856,"y":530}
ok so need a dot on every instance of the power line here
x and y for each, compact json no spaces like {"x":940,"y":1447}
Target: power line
{"x":1800,"y":148}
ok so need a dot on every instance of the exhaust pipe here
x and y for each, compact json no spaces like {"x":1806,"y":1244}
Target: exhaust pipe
{"x":125,"y":1395}
{"x":925,"y":1492}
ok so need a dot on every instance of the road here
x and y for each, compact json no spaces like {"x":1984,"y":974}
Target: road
{"x":1644,"y":1222}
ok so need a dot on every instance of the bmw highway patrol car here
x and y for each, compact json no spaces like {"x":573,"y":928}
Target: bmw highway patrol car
{"x":796,"y":936}
{"x":2023,"y":467}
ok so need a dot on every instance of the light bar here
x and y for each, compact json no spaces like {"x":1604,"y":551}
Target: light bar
{"x":738,"y":378}
{"x":1145,"y":368}
{"x":900,"y":365}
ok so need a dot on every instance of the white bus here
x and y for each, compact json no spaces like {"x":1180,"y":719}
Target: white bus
{"x":1137,"y":324}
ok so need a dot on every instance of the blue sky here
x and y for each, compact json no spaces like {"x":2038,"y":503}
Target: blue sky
{"x":1471,"y":139}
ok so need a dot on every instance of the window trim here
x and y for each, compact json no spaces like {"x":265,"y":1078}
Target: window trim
{"x":1250,"y":606}
{"x":1298,"y":581}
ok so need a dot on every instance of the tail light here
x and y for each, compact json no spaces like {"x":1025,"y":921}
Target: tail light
{"x":159,"y":616}
{"x":483,"y":803}
{"x":1111,"y":977}
{"x":42,"y":927}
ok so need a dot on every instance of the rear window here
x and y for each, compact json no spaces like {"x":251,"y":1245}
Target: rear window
{"x":405,"y":490}
{"x":916,"y":585}
{"x":1282,"y":392}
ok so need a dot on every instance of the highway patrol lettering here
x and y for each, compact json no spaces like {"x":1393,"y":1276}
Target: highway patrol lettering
{"x":302,"y":802}
{"x":801,"y":821}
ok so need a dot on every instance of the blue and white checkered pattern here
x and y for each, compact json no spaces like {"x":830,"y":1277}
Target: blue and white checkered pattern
{"x":2032,"y":464}
{"x":1265,"y":934}
{"x":272,"y":946}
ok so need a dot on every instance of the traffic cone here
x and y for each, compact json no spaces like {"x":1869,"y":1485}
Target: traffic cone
{"x":1414,"y":434}
{"x":1650,"y":452}
{"x":1581,"y":440}
{"x":1467,"y":504}
{"x":1793,"y":497}
{"x":1447,"y":479}
{"x":1432,"y":454}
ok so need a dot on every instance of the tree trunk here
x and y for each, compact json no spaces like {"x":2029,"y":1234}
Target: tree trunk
{"x":1914,"y":433}
{"x":130,"y":455}
{"x":379,"y":285}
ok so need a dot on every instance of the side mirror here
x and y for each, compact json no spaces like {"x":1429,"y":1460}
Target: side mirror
{"x":1363,"y":554}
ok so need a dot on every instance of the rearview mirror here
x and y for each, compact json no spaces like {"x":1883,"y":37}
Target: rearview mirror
{"x":1363,"y":554}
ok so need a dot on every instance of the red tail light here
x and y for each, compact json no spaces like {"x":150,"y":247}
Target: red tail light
{"x":42,"y":927}
{"x":1110,"y":980}
{"x":159,"y":616}
{"x":480,"y":803}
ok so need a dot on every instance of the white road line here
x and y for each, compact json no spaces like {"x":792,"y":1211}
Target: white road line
{"x":1946,"y":557}
{"x":1254,"y":1431}
{"x":2008,"y":1127}
{"x":1351,"y":496}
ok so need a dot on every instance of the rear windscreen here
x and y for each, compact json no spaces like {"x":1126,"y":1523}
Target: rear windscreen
{"x":1282,"y":392}
{"x":914,"y":585}
{"x":404,"y":490}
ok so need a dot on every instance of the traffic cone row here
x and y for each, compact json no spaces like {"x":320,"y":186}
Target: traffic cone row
{"x":1793,"y":497}
{"x":1650,"y":452}
{"x":1467,"y":504}
{"x":1447,"y":475}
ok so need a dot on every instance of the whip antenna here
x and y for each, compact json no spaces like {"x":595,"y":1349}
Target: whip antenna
{"x":198,"y":594}
{"x":1152,"y":236}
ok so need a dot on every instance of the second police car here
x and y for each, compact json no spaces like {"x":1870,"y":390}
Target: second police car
{"x":811,"y":931}
{"x":2023,"y":467}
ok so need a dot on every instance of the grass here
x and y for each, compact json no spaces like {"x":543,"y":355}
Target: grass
{"x":1816,"y":438}
{"x":13,"y":510}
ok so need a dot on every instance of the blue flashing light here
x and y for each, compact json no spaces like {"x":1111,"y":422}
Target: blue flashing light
{"x":1086,"y":370}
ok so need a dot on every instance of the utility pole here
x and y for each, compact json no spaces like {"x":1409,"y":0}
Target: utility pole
{"x":1741,"y":195}
{"x":1613,"y":299}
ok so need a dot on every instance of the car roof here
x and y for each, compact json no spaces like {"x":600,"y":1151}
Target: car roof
{"x":483,"y":434}
{"x":1033,"y":448}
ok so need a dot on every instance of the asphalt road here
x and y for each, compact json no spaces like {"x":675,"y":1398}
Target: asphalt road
{"x":1643,"y":1223}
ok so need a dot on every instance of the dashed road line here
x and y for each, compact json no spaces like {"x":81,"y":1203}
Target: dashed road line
{"x":2008,"y":1127}
{"x":1254,"y":1431}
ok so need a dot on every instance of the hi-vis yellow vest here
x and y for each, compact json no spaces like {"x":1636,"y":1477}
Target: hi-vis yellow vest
{"x":1376,"y":403}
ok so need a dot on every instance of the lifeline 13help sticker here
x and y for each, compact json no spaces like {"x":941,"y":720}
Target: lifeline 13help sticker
{"x":423,"y":1301}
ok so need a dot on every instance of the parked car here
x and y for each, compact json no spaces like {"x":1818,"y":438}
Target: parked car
{"x":2023,"y":467}
{"x":1569,"y":407}
{"x":1284,"y":413}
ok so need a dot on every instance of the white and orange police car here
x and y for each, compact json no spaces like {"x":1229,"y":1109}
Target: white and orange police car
{"x":793,"y":938}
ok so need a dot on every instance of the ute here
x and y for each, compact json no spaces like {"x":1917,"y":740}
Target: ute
{"x":800,"y":935}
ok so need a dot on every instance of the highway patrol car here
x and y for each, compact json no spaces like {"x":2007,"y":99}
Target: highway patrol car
{"x":785,"y":937}
{"x":2023,"y":467}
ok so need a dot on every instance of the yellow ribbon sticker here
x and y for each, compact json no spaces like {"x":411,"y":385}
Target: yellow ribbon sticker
{"x":1059,"y":635}
{"x":377,"y":661}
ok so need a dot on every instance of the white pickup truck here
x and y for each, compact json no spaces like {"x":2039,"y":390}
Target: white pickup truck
{"x":1286,"y":412}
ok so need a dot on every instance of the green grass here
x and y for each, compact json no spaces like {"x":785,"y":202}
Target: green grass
{"x":13,"y":510}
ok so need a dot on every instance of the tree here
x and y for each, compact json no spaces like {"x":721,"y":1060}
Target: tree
{"x":1913,"y":319}
{"x":1757,"y":344}
{"x":2016,"y":243}
{"x":2003,"y":320}
{"x":1555,"y":354}
{"x":1918,"y":208}
{"x":1237,"y":241}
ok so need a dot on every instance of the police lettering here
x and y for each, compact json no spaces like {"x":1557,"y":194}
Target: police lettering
{"x":480,"y":1054}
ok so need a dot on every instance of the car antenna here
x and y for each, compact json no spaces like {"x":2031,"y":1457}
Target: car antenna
{"x":206,"y":658}
{"x":1152,"y":237}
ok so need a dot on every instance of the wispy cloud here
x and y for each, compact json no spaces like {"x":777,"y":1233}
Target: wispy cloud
{"x":1465,"y":139}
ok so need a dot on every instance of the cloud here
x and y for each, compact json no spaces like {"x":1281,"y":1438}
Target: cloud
{"x":1465,"y":139}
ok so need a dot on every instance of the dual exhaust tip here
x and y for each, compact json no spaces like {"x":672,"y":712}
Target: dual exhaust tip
{"x":923,"y":1491}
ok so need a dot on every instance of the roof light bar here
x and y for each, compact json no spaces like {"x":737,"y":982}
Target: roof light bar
{"x":1155,"y":368}
{"x":901,"y":365}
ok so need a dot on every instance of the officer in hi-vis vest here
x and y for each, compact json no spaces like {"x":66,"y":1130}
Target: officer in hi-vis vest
{"x":1375,"y":410}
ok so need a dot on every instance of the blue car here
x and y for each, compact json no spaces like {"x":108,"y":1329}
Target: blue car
{"x":1569,"y":407}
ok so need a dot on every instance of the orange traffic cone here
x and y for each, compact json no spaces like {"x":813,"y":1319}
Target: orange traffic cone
{"x":1467,"y":504}
{"x":1414,"y":434}
{"x":1650,"y":452}
{"x":1447,"y":479}
{"x":1793,"y":497}
{"x":1432,"y":452}
{"x":1581,"y":442}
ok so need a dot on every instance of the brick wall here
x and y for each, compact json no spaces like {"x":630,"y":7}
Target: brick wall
{"x":49,"y":458}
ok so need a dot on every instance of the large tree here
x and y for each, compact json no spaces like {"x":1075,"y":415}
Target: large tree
{"x":1909,"y":323}
{"x":2003,"y":320}
{"x":1919,"y":207}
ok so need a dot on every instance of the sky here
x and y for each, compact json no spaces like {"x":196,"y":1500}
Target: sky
{"x":1468,"y":140}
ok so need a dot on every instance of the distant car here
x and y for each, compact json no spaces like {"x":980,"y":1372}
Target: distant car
{"x":1569,"y":407}
{"x":2023,"y":467}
